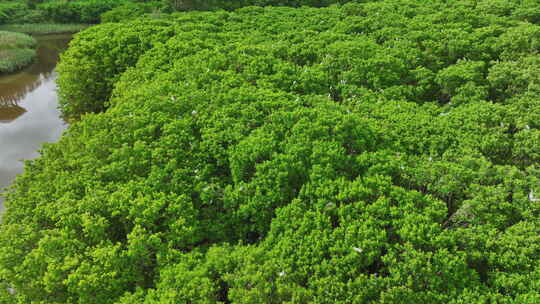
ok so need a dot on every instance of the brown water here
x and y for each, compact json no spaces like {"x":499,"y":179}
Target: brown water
{"x":28,"y":109}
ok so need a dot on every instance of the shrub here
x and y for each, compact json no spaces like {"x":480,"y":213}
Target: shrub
{"x":77,"y":11}
{"x":11,"y":11}
{"x":186,"y":5}
{"x":60,"y":11}
{"x":129,"y":11}
{"x":368,"y":154}
{"x":33,"y":16}
{"x":99,"y":56}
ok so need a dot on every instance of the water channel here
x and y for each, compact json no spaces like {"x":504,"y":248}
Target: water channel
{"x":29,"y":114}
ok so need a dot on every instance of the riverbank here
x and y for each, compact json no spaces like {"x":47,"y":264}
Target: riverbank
{"x":17,"y":50}
{"x":43,"y":28}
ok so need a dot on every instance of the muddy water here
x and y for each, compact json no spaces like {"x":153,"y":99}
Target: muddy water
{"x":28,"y":109}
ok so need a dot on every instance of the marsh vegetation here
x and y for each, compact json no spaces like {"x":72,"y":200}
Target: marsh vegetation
{"x":17,"y":50}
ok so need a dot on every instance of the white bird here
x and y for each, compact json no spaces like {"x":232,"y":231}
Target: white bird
{"x":282,"y":273}
{"x":532,"y":198}
{"x":359,"y":250}
{"x":193,"y":112}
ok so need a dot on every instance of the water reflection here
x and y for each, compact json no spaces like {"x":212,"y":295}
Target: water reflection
{"x":28,"y":109}
{"x":10,"y":110}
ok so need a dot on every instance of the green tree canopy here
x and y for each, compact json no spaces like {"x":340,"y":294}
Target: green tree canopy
{"x":378,"y":152}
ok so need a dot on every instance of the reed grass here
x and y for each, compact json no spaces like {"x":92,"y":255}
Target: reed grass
{"x":10,"y":40}
{"x":16,"y":51}
{"x":43,"y":28}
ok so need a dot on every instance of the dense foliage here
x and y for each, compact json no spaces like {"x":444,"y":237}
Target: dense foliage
{"x":66,"y":12}
{"x":379,"y":152}
{"x":17,"y":50}
{"x":84,"y":11}
{"x":13,"y":10}
{"x":129,"y":11}
{"x":104,"y":53}
{"x":185,"y":5}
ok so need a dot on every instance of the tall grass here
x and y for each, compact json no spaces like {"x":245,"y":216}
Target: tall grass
{"x":16,"y":51}
{"x":10,"y":40}
{"x":43,"y":28}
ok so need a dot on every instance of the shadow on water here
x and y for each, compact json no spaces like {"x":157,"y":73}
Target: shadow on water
{"x":28,"y":109}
